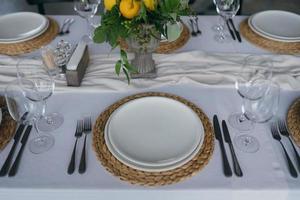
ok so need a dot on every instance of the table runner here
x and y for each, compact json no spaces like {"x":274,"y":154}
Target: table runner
{"x":188,"y":67}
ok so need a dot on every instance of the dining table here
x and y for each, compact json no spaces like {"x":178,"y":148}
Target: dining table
{"x":203,"y":71}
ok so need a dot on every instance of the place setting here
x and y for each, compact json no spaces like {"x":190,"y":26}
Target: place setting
{"x":25,"y":32}
{"x":274,"y":30}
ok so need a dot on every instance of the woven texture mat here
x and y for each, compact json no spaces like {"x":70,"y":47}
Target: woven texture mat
{"x":293,"y":121}
{"x":169,"y":47}
{"x":7,"y":127}
{"x":139,"y":177}
{"x":33,"y":44}
{"x":270,"y":45}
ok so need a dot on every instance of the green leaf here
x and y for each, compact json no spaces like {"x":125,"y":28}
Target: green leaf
{"x":99,"y":35}
{"x":130,"y":67}
{"x":124,"y":55}
{"x":127,"y":75}
{"x":118,"y":67}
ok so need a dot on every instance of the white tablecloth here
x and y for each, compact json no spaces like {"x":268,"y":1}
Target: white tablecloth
{"x":205,"y":78}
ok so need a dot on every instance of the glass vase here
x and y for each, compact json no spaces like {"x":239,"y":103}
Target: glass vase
{"x":143,"y":43}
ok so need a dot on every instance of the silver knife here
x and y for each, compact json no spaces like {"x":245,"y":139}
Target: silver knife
{"x":7,"y":162}
{"x":236,"y":166}
{"x":13,"y":170}
{"x":226,"y":166}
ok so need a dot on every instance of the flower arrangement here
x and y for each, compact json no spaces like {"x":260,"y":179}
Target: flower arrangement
{"x":123,"y":19}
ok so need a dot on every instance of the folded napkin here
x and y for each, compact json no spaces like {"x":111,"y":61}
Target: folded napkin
{"x":189,"y":67}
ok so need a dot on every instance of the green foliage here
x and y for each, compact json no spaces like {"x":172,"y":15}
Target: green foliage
{"x":114,"y":27}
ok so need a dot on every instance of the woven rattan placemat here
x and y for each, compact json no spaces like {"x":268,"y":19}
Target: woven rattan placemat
{"x":7,"y":126}
{"x":270,"y":45}
{"x":33,"y":44}
{"x":293,"y":120}
{"x":133,"y":176}
{"x":169,"y":47}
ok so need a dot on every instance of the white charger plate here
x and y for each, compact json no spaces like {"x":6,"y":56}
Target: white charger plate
{"x":276,"y":25}
{"x":22,"y":26}
{"x":154,"y":134}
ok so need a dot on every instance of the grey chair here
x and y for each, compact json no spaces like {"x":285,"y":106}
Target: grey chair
{"x":40,"y":4}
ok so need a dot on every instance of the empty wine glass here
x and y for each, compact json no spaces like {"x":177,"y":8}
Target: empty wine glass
{"x":218,"y":27}
{"x":227,"y":9}
{"x":33,"y":69}
{"x":258,"y":111}
{"x":87,"y":9}
{"x":251,"y":84}
{"x":26,"y":105}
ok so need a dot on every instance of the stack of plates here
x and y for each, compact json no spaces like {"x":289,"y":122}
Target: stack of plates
{"x":21,"y":26}
{"x":154,"y":134}
{"x":276,"y":25}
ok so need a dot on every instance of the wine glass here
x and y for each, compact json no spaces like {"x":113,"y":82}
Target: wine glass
{"x":218,"y":27}
{"x":251,"y":84}
{"x":227,"y":9}
{"x":87,"y":10}
{"x":33,"y":69}
{"x":26,"y":105}
{"x":258,"y":111}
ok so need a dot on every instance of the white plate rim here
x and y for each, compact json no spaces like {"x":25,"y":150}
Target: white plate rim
{"x":25,"y":38}
{"x":150,"y":168}
{"x":0,"y":116}
{"x":147,"y":166}
{"x":200,"y":139}
{"x":268,"y":35}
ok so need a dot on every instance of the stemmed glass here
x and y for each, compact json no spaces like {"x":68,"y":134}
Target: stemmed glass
{"x":33,"y":69}
{"x":26,"y":106}
{"x":227,"y":9}
{"x":87,"y":10}
{"x":251,"y":84}
{"x":259,"y":111}
{"x":218,"y":27}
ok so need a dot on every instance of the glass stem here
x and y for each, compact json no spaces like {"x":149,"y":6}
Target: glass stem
{"x":89,"y":28}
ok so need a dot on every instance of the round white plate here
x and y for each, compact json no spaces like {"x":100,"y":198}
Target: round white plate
{"x":21,"y":26}
{"x":153,"y":133}
{"x":151,"y":168}
{"x":276,"y":25}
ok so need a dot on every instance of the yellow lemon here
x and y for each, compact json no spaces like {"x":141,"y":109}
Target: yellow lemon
{"x":108,"y":4}
{"x":129,"y":8}
{"x":150,"y":4}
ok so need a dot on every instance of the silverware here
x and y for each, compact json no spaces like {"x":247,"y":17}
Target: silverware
{"x":277,"y":137}
{"x":14,"y":168}
{"x":197,"y":25}
{"x":66,"y":21}
{"x":87,"y":127}
{"x":236,"y":32}
{"x":67,"y":31}
{"x":6,"y":165}
{"x":78,"y":134}
{"x":236,"y":166}
{"x":194,"y":34}
{"x":226,"y":167}
{"x":230,"y":31}
{"x":284,"y":131}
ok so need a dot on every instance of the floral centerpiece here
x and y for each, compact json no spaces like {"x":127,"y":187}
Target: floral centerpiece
{"x":141,"y":24}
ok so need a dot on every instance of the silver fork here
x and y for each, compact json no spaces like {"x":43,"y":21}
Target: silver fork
{"x":87,"y":127}
{"x":284,"y":131}
{"x":67,"y":31}
{"x":66,"y":21}
{"x":78,"y":134}
{"x":277,"y":137}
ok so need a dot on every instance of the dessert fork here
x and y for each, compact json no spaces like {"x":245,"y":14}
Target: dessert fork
{"x":78,"y":134}
{"x":284,"y":131}
{"x":277,"y":137}
{"x":87,"y":127}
